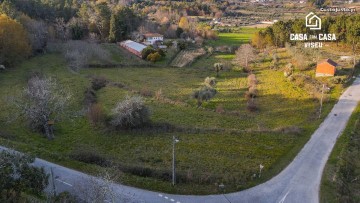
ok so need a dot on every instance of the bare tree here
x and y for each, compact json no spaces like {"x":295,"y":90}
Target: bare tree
{"x":102,"y":189}
{"x":61,"y":29}
{"x":130,"y":113}
{"x":37,"y":32}
{"x":42,"y":102}
{"x":245,"y":55}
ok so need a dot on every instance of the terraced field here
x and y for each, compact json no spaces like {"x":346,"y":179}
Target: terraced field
{"x":186,"y":57}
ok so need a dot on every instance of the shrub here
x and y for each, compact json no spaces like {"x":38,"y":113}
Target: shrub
{"x":90,"y":156}
{"x":338,"y":79}
{"x":210,"y":82}
{"x":204,"y":94}
{"x":159,"y":94}
{"x":98,"y":82}
{"x":220,"y":109}
{"x":161,"y":52}
{"x":253,"y":91}
{"x":252,"y":80}
{"x":130,"y":113}
{"x":90,"y":96}
{"x":251,"y":106}
{"x":289,"y":69}
{"x":153,"y":57}
{"x":145,"y":52}
{"x":96,"y":114}
{"x":145,"y":92}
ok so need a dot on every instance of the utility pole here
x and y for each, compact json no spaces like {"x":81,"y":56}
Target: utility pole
{"x":175,"y":140}
{"x":321,"y":100}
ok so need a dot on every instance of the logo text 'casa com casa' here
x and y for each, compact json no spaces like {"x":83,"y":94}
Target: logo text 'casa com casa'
{"x":313,"y":40}
{"x":313,"y":21}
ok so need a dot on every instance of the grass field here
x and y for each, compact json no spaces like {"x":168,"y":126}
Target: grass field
{"x":233,"y":39}
{"x":214,"y":148}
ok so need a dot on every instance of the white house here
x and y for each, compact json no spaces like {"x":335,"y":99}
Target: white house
{"x":152,"y":38}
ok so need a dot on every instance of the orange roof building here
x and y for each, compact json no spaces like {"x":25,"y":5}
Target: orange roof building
{"x":326,"y":68}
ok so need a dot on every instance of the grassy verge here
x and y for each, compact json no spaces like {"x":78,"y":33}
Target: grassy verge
{"x":340,"y":181}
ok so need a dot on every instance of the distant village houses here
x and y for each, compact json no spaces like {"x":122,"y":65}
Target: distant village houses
{"x":153,"y":38}
{"x":149,"y":39}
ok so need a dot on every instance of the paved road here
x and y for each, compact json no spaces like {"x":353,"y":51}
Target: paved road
{"x":298,"y":182}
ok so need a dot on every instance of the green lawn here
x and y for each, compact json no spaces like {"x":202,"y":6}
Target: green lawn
{"x":233,"y":39}
{"x":214,"y":148}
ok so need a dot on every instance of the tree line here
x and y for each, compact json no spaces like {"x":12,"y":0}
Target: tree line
{"x":345,"y":27}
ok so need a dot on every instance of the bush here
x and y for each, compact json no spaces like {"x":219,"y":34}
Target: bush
{"x":289,"y":69}
{"x":204,"y":94}
{"x":96,"y":114}
{"x":161,"y":52}
{"x":153,"y":57}
{"x":90,"y":96}
{"x":98,"y":82}
{"x":220,"y":109}
{"x":210,"y":82}
{"x":145,"y":92}
{"x":251,"y":106}
{"x":338,"y":79}
{"x":252,"y":80}
{"x":130,"y":113}
{"x":145,"y":52}
{"x":90,"y":156}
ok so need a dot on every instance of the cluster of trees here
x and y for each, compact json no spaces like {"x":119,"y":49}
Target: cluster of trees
{"x":151,"y":54}
{"x":345,"y":27}
{"x":27,"y":26}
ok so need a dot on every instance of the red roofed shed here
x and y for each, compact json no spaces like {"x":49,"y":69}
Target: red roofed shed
{"x":326,"y":68}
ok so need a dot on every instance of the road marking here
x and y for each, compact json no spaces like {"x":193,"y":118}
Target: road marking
{"x":64,"y":182}
{"x":166,"y":197}
{"x":283,"y":199}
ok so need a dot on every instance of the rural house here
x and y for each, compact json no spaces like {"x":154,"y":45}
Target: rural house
{"x":326,"y":68}
{"x":152,"y":38}
{"x":133,"y":47}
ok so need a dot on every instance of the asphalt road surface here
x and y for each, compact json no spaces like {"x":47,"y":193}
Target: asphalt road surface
{"x":298,"y":182}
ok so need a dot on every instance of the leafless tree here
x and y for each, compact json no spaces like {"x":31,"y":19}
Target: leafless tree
{"x":37,"y":31}
{"x":245,"y":55}
{"x":42,"y":101}
{"x":102,"y":189}
{"x":130,"y":113}
{"x":61,"y":29}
